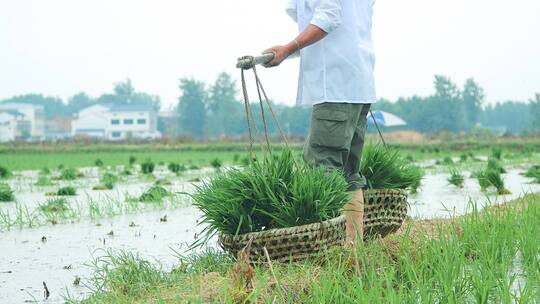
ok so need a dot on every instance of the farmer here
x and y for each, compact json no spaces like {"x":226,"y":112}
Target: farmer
{"x":336,"y":77}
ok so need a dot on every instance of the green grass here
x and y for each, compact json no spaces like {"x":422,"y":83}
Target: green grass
{"x":484,"y":257}
{"x":43,"y":181}
{"x":69,"y":174}
{"x":155,"y":194}
{"x":56,"y":205}
{"x":4,"y":172}
{"x":148,"y":166}
{"x":534,"y":173}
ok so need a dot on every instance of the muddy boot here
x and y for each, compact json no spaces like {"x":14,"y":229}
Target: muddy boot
{"x":354,"y":214}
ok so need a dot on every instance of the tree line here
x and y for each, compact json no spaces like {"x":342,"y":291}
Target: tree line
{"x":214,"y":110}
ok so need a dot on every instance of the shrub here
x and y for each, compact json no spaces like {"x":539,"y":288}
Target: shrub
{"x":456,"y":178}
{"x":147,"y":167}
{"x":69,"y":174}
{"x":4,"y":172}
{"x":6,"y":194}
{"x":272,"y":193}
{"x":67,"y":191}
{"x":387,"y":169}
{"x":155,"y":194}
{"x":57,"y":205}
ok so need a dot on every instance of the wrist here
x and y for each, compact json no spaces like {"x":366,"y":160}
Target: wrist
{"x":292,"y":47}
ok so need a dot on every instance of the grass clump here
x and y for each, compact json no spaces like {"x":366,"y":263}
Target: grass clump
{"x":456,"y":178}
{"x":98,"y":163}
{"x":387,"y":169}
{"x":6,"y":194}
{"x":155,"y":194}
{"x":67,"y":191}
{"x":70,"y":174}
{"x":492,"y":178}
{"x":4,"y":172}
{"x":272,"y":193}
{"x":57,"y":205}
{"x":147,"y":167}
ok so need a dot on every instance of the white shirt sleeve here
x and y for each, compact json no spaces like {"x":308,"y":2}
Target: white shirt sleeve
{"x":327,"y":14}
{"x":292,"y":10}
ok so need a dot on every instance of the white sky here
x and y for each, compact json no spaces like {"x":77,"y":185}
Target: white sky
{"x":61,"y":47}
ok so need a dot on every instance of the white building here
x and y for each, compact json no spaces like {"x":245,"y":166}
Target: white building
{"x":32,"y":123}
{"x":8,"y":127}
{"x":116,"y":122}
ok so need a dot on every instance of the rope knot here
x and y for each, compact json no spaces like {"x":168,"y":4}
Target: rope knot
{"x":246,"y":62}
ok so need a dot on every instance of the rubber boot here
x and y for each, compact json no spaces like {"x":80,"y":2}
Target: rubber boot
{"x":354,"y":214}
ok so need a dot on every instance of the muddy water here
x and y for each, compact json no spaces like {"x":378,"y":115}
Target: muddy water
{"x":28,"y":259}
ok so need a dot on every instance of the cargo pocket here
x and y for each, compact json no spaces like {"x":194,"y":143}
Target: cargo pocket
{"x":329,"y":128}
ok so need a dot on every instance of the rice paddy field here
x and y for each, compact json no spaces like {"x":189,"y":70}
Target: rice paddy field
{"x":110,"y":223}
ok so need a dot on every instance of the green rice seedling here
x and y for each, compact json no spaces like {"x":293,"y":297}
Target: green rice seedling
{"x":496,"y":153}
{"x":387,"y":169}
{"x":147,"y":167}
{"x":534,"y":173}
{"x":69,"y":174}
{"x":109,"y":180}
{"x":6,"y":194}
{"x":44,"y":171}
{"x":271,"y":193}
{"x":163,"y":182}
{"x":236,"y":158}
{"x":463,"y":157}
{"x":176,"y":168}
{"x":61,"y":167}
{"x":155,"y":194}
{"x":456,"y":178}
{"x":495,"y":165}
{"x":132,"y":160}
{"x":492,"y":178}
{"x":127,"y":172}
{"x":448,"y":161}
{"x":67,"y":191}
{"x":56,"y":205}
{"x":216,"y":163}
{"x":4,"y":172}
{"x":44,"y":181}
{"x":98,"y":163}
{"x":194,"y":167}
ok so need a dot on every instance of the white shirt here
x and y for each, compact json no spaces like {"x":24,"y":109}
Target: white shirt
{"x":339,"y":68}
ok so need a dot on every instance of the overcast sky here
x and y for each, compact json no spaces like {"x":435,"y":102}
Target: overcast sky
{"x":61,"y":47}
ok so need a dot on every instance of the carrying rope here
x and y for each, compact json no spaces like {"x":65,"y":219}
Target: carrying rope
{"x":249,"y":63}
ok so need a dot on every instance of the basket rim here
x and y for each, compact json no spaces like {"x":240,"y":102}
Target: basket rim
{"x":317,"y":225}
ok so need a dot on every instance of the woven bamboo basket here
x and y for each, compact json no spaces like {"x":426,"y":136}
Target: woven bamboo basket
{"x":384,"y":213}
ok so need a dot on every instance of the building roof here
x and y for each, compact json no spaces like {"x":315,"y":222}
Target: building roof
{"x":12,"y":112}
{"x":18,"y":105}
{"x":130,"y":108}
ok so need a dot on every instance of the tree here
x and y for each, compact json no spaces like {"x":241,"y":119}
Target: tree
{"x":52,"y":106}
{"x":125,"y":94}
{"x":534,"y":106}
{"x":191,"y":107}
{"x":224,"y":112}
{"x":78,"y":102}
{"x":473,"y":98}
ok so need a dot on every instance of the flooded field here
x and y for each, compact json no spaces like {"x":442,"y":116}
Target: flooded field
{"x":59,"y":250}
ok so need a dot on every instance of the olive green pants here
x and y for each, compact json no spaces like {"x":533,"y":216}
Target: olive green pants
{"x":336,"y":139}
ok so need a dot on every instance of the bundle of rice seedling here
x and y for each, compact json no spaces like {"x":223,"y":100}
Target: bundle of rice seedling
{"x":132,"y":160}
{"x":387,"y":169}
{"x":456,"y":178}
{"x":534,"y":173}
{"x":4,"y":172}
{"x":66,"y":191}
{"x":69,"y":174}
{"x":147,"y":167}
{"x":274,"y":192}
{"x":6,"y":194}
{"x":57,"y":205}
{"x":216,"y":163}
{"x":496,"y":153}
{"x":155,"y":194}
{"x":176,"y":168}
{"x":492,"y":178}
{"x":495,"y":165}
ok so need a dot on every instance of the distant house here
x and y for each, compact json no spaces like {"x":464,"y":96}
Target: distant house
{"x":58,"y":128}
{"x":30,"y":120}
{"x":116,"y":122}
{"x":8,"y":127}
